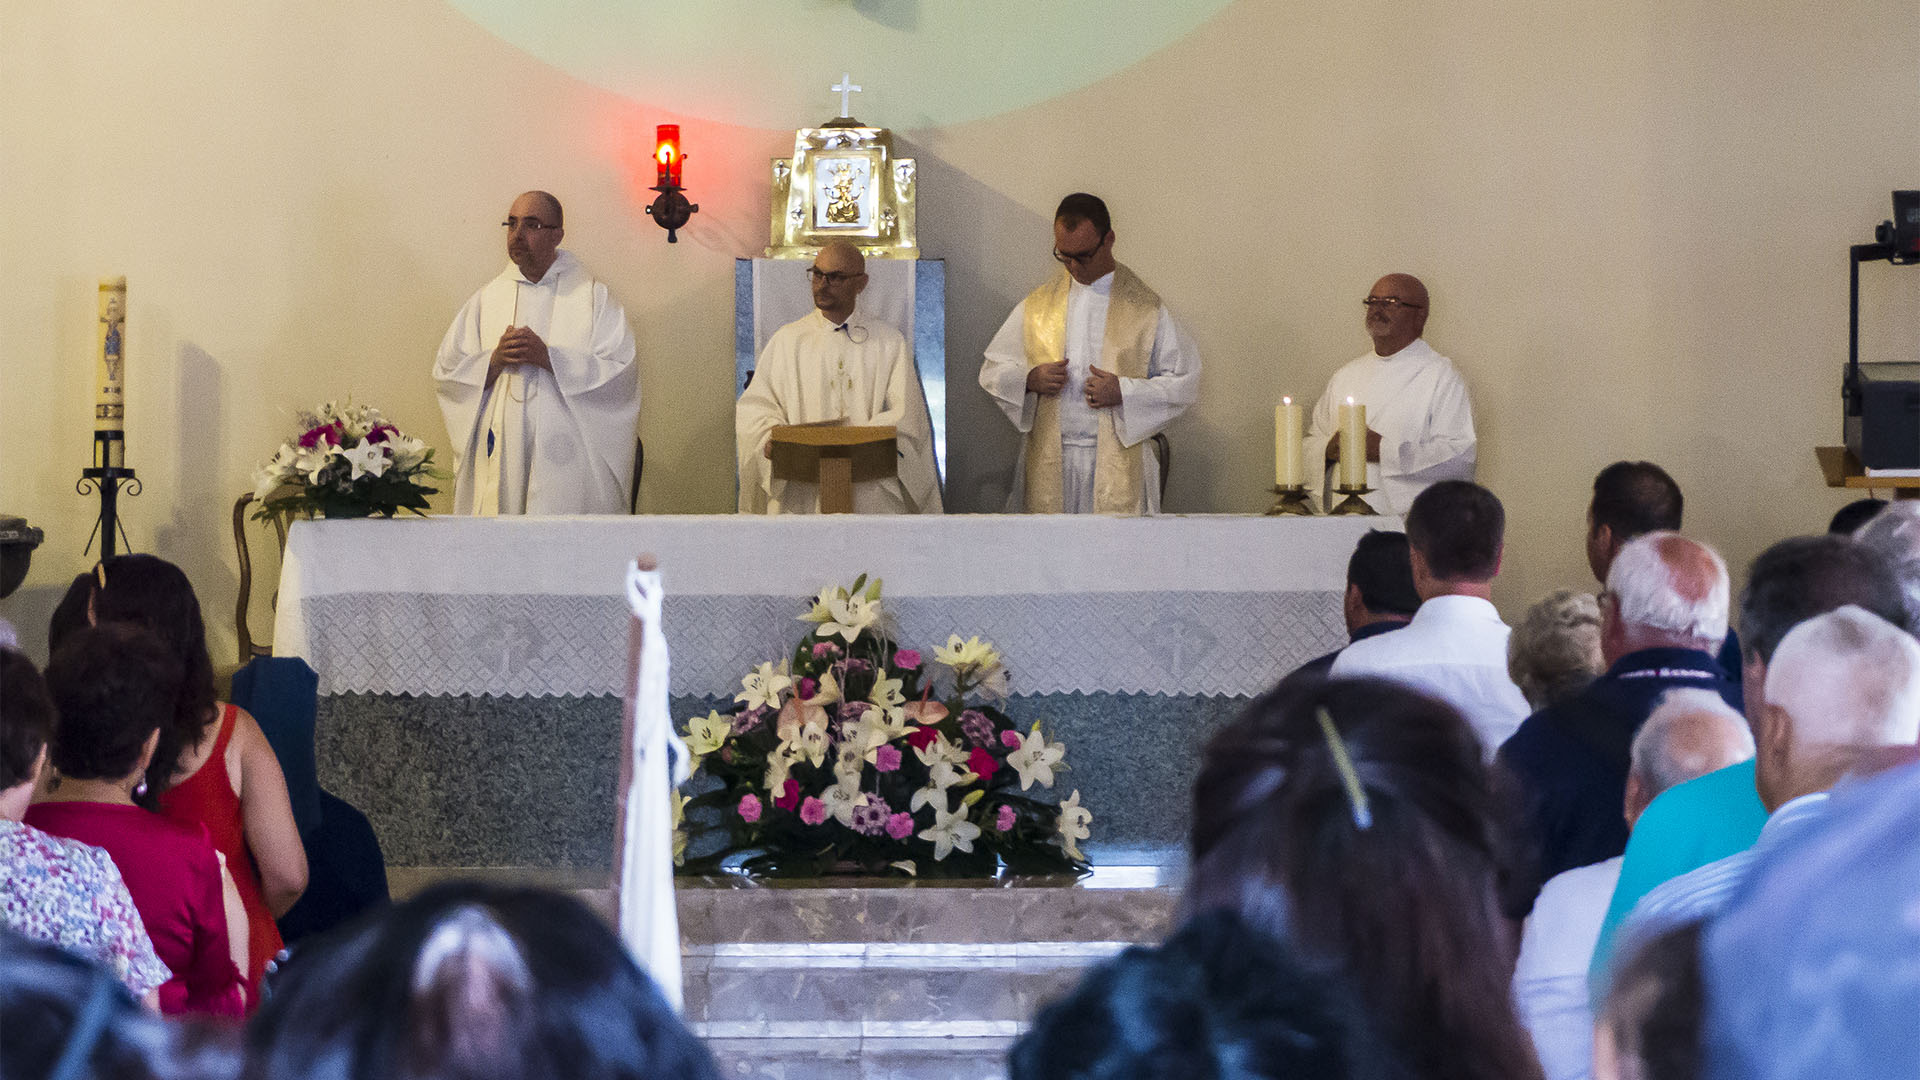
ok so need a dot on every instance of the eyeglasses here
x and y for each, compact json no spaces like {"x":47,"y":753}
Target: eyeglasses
{"x":532,"y":225}
{"x":1069,"y":258}
{"x":831,"y":277}
{"x":1390,"y":303}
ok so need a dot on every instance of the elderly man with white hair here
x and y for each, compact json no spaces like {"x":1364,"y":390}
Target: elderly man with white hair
{"x":1691,"y":733}
{"x":1841,"y":687}
{"x":1663,"y":616}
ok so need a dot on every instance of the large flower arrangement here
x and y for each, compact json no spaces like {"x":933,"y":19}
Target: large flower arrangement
{"x":856,"y":754}
{"x":346,"y":462}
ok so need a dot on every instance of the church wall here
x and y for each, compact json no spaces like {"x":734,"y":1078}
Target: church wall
{"x":1633,"y":220}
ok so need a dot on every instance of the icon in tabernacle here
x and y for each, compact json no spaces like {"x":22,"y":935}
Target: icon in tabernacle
{"x":843,"y":182}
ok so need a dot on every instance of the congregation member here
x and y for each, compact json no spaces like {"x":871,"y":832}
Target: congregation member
{"x":1554,"y":652}
{"x":1456,"y":646}
{"x":114,"y":687}
{"x":1631,"y":499}
{"x":1720,"y":813}
{"x":213,"y":767}
{"x":1321,"y":813}
{"x":537,"y":381}
{"x":1088,"y":368}
{"x":1894,"y":534}
{"x":1419,"y":419}
{"x":1663,"y":616}
{"x":60,"y":891}
{"x":468,"y":981}
{"x":1652,"y":1020}
{"x":1841,"y":687}
{"x":1219,"y":999}
{"x":836,"y":366}
{"x":1380,"y":596}
{"x":1691,"y":733}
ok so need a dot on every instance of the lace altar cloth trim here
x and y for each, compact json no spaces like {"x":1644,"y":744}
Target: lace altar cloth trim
{"x":1175,"y":643}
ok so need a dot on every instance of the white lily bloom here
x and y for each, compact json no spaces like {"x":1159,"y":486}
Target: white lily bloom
{"x":939,"y":778}
{"x":941,"y":750}
{"x":843,"y":798}
{"x":848,"y":615}
{"x":1035,"y":759}
{"x":967,"y":655}
{"x":950,"y":831}
{"x":706,"y":734}
{"x":367,"y":459}
{"x":764,"y":685}
{"x":1073,"y":823}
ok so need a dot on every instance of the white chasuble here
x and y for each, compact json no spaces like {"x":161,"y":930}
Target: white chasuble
{"x":1418,"y":403}
{"x":1159,"y":370}
{"x":537,"y":441}
{"x":858,"y":373}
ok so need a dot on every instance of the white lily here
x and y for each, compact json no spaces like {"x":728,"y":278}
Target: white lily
{"x":367,"y":459}
{"x":886,"y":692}
{"x":940,"y":777}
{"x":680,"y":835}
{"x":821,"y":610}
{"x":941,"y":750}
{"x":971,"y":654}
{"x":1073,"y":823}
{"x":764,"y":685}
{"x":780,"y":766}
{"x":706,"y":734}
{"x":848,"y":615}
{"x":1036,"y":758}
{"x":843,"y":798}
{"x":876,"y":728}
{"x":950,"y":831}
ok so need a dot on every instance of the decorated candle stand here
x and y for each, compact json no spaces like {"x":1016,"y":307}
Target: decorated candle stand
{"x":109,"y":473}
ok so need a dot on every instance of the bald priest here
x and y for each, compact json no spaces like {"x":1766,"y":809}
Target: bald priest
{"x":835,"y":366}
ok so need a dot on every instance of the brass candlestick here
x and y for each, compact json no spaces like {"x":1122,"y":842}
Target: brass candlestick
{"x":1353,"y":505}
{"x":1292,"y":500}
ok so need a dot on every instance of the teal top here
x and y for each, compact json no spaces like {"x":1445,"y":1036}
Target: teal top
{"x":1685,"y":828}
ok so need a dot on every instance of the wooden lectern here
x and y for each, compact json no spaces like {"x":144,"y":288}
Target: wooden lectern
{"x":834,"y":457}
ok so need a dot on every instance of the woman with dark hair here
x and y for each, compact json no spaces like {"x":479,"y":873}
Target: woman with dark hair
{"x":214,"y":766}
{"x":471,"y":982}
{"x":113,"y":687}
{"x":67,"y":1020}
{"x":1355,"y":818}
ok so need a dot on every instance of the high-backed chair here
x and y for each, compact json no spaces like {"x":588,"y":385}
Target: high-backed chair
{"x":248,"y":648}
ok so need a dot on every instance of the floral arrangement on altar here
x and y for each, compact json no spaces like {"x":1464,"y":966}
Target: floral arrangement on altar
{"x":857,"y":754}
{"x":347,"y":462}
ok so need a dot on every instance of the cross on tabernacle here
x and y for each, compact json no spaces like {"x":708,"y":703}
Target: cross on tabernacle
{"x":845,"y":87}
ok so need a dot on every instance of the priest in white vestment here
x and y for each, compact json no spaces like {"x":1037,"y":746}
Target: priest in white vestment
{"x":834,"y":367}
{"x":1419,"y":421}
{"x":537,"y":382}
{"x":1089,"y":367}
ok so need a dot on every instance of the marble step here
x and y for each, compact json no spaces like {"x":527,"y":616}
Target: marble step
{"x":862,"y":1058}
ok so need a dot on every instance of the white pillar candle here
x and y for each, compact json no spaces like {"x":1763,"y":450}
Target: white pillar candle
{"x":1289,"y":429}
{"x":1353,"y":445}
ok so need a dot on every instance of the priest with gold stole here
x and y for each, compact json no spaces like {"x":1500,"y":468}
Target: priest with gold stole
{"x":1089,"y":366}
{"x":836,"y":367}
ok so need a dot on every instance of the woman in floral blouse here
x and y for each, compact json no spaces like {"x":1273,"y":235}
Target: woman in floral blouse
{"x":60,"y":891}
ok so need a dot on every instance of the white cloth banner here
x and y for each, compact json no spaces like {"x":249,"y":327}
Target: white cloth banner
{"x":519,"y":607}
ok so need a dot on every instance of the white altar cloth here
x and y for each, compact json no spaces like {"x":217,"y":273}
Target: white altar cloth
{"x":518,"y":607}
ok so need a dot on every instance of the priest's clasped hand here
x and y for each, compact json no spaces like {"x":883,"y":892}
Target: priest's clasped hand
{"x":520,"y":345}
{"x":1047,"y":379}
{"x":1103,"y":389}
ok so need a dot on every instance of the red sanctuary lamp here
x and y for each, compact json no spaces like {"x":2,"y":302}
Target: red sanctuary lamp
{"x":671,"y":210}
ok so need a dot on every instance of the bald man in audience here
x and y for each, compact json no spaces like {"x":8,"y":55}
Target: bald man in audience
{"x":1893,"y":533}
{"x":1691,"y":733}
{"x":1662,"y":618}
{"x":836,"y":366}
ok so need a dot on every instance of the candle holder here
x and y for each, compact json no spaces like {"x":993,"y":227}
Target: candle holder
{"x":1353,"y":505}
{"x":1292,"y":500}
{"x":108,"y":478}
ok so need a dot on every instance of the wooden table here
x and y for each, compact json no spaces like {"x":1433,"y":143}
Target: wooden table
{"x":1843,"y":470}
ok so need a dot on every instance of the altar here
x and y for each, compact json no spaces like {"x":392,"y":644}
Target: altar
{"x":470,"y":668}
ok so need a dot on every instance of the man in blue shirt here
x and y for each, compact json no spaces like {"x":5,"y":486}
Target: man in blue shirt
{"x":1380,"y":595}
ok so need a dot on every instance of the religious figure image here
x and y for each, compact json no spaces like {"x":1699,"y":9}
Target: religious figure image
{"x":844,"y":207}
{"x":841,"y":199}
{"x":1089,"y":366}
{"x":1419,"y":420}
{"x":537,"y":382}
{"x":833,"y":366}
{"x":116,"y":319}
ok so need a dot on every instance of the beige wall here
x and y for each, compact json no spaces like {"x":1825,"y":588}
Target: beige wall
{"x":1633,"y":220}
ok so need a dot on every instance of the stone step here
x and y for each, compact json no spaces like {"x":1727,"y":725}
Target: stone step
{"x":959,"y":1057}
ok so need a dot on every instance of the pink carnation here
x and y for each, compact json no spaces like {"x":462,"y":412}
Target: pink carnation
{"x":825,"y":650}
{"x":808,"y":689}
{"x":1010,"y":739}
{"x":749,"y":808}
{"x":886,"y":758}
{"x":381,"y":433}
{"x":1005,"y":821}
{"x":907,"y":659}
{"x":325,"y":433}
{"x":900,"y":826}
{"x":812,"y":811}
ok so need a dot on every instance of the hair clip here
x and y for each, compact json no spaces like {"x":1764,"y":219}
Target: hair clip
{"x":100,"y":571}
{"x":1343,"y":764}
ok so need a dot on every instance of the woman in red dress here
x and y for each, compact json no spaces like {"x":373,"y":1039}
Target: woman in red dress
{"x":214,"y":766}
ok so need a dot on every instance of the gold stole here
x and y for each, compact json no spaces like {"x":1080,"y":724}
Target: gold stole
{"x":1133,"y":314}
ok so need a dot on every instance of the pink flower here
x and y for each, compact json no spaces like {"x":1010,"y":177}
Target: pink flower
{"x":381,"y":433}
{"x":907,"y":659}
{"x":1005,"y":821}
{"x":870,"y":817}
{"x":886,"y":758}
{"x":813,"y":811}
{"x":1010,"y":739}
{"x":922,"y":737}
{"x":982,"y":764}
{"x":809,"y":688}
{"x":900,"y":826}
{"x":750,"y":808}
{"x":327,"y":433}
{"x":789,"y":796}
{"x":825,"y":650}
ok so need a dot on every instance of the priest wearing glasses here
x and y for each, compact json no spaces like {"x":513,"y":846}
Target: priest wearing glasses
{"x":836,"y":366}
{"x":1089,"y":367}
{"x":537,"y":382}
{"x":1419,"y":421}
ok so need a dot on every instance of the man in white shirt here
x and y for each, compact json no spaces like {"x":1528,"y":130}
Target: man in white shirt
{"x":1456,"y":646}
{"x":1089,"y":367}
{"x":1419,"y":421}
{"x":1690,"y":733}
{"x":835,"y":367}
{"x":537,"y":382}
